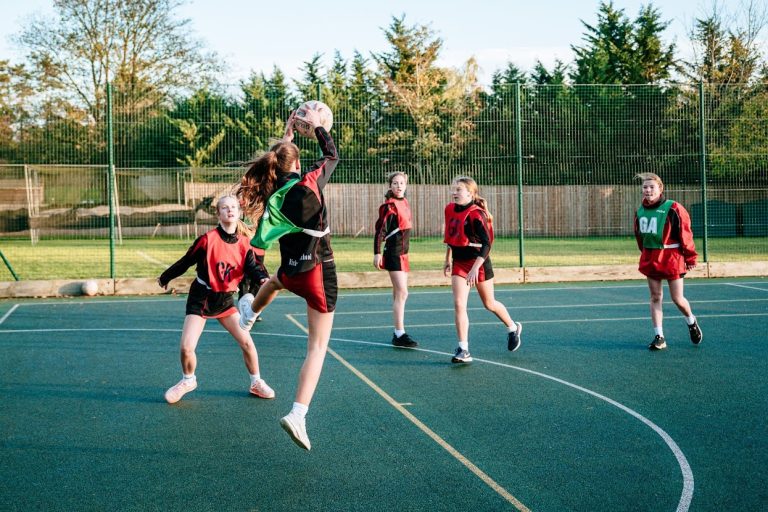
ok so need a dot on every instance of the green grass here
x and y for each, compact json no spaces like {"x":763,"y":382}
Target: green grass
{"x":80,"y":259}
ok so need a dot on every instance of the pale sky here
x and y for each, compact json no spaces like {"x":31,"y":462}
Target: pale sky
{"x":257,"y":35}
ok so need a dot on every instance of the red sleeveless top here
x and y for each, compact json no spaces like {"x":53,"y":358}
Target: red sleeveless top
{"x":226,"y":262}
{"x":455,"y":233}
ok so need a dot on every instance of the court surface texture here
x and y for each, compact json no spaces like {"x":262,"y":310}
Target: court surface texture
{"x":583,"y":417}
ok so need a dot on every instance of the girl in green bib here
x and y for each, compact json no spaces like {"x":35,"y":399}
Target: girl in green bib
{"x":667,"y":252}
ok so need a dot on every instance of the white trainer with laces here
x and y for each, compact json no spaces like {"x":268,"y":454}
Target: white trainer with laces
{"x":180,"y":389}
{"x":296,"y":428}
{"x":247,"y":316}
{"x":262,"y":390}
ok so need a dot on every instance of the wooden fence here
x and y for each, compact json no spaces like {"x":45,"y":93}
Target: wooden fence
{"x":556,"y":211}
{"x":552,"y":211}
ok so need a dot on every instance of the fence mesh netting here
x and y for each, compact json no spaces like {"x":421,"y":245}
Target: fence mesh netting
{"x":563,"y":156}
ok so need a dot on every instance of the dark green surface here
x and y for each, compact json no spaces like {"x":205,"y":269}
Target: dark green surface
{"x":83,"y":424}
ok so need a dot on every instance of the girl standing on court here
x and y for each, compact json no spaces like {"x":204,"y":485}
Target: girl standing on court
{"x":393,"y":227}
{"x":297,"y":216}
{"x":469,"y":236}
{"x":223,"y":257}
{"x":667,"y":252}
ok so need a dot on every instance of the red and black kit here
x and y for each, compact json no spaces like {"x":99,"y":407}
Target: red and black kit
{"x":248,"y":285}
{"x":222,"y":260}
{"x":393,"y":227}
{"x":470,"y":235}
{"x":679,"y":250}
{"x":304,"y":205}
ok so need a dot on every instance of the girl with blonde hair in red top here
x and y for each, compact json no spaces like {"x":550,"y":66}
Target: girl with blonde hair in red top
{"x":223,"y":257}
{"x":469,"y":236}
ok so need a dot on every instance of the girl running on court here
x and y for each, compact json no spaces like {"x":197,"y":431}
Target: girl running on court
{"x":223,"y":257}
{"x":667,"y":252}
{"x":297,"y":216}
{"x":393,"y":227}
{"x":469,"y":236}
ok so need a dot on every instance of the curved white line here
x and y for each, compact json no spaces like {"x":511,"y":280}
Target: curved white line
{"x":687,"y":493}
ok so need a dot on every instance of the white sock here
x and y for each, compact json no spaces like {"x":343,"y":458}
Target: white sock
{"x":658,"y":331}
{"x":255,"y":378}
{"x":512,"y":328}
{"x":189,"y":376}
{"x":690,"y":319}
{"x":464,"y":345}
{"x":299,"y":410}
{"x":399,"y":332}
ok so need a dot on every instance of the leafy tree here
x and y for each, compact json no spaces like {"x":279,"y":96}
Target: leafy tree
{"x":200,"y":122}
{"x":726,"y":48}
{"x":429,"y":110}
{"x":542,"y":76}
{"x":15,"y":89}
{"x":653,"y":62}
{"x":261,"y":115}
{"x":312,"y":84}
{"x":727,"y":59}
{"x":136,"y":44}
{"x":619,"y":51}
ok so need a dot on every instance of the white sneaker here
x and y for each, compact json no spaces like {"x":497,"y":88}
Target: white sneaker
{"x":180,"y":389}
{"x":262,"y":390}
{"x":297,"y":429}
{"x":247,"y":316}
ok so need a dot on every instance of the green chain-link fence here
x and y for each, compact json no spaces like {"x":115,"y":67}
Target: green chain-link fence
{"x":556,"y":164}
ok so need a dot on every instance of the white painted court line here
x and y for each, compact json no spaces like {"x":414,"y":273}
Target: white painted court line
{"x":744,"y":286}
{"x":518,"y":288}
{"x":107,"y":300}
{"x":688,"y":483}
{"x":10,"y":311}
{"x":124,"y":329}
{"x":557,"y":321}
{"x":548,"y":306}
{"x":424,"y":428}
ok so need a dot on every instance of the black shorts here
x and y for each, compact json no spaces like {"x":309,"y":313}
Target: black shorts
{"x":393,"y":261}
{"x":318,"y":286}
{"x":208,"y":304}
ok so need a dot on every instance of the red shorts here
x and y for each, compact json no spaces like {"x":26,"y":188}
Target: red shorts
{"x":317,"y":286}
{"x":395,"y":262}
{"x":462,"y":267}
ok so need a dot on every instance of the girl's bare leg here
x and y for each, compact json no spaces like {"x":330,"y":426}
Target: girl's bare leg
{"x":320,"y":325}
{"x":399,"y":296}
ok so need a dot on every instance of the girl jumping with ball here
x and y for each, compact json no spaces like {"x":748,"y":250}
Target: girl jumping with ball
{"x":298,"y":218}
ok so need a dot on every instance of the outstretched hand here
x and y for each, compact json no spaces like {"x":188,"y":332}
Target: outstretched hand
{"x":288,"y":135}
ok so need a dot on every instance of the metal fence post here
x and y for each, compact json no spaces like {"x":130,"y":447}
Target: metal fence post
{"x":111,"y":182}
{"x":703,"y":164}
{"x":519,"y":154}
